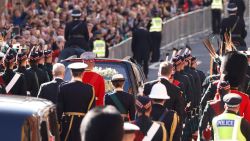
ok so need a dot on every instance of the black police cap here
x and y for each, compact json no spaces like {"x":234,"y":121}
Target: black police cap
{"x":232,"y":7}
{"x":76,"y":13}
{"x":232,"y":100}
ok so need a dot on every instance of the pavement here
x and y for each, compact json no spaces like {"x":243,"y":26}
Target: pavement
{"x":198,"y":50}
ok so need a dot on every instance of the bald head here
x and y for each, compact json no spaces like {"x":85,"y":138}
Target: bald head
{"x":58,"y":70}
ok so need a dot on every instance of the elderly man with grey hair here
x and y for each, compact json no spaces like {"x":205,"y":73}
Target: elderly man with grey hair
{"x":49,"y":90}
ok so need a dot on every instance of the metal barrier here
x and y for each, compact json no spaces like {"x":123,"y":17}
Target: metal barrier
{"x":175,"y":32}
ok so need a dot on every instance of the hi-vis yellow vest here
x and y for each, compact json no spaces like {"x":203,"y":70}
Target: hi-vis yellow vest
{"x":156,"y":25}
{"x":227,"y":128}
{"x":99,"y":48}
{"x":217,"y":4}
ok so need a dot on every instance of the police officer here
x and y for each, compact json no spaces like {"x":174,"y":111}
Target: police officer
{"x":75,"y":99}
{"x":230,"y":126}
{"x":149,"y":130}
{"x":76,"y":32}
{"x":212,"y":109}
{"x":29,"y":74}
{"x":11,"y":82}
{"x":99,"y":46}
{"x":122,"y":100}
{"x":217,"y":8}
{"x":235,"y":26}
{"x":155,"y":29}
{"x":41,"y":76}
{"x":159,"y":113}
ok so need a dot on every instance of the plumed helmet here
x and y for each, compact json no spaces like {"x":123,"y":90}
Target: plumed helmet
{"x":234,"y":67}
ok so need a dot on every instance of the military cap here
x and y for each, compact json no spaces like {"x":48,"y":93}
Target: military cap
{"x":232,"y":7}
{"x":232,"y":100}
{"x":21,"y":56}
{"x":47,"y":53}
{"x":177,"y":59}
{"x":33,"y":56}
{"x":118,"y":77}
{"x":129,"y":127}
{"x":88,"y":56}
{"x":234,"y":67}
{"x":159,"y":91}
{"x":76,"y":13}
{"x":10,"y":56}
{"x":78,"y":66}
{"x":40,"y":54}
{"x":143,"y":103}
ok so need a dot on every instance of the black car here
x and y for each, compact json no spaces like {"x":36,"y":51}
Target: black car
{"x":27,"y":119}
{"x":132,"y":72}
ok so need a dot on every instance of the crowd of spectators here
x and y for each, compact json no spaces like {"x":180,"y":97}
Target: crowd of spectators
{"x":43,"y":21}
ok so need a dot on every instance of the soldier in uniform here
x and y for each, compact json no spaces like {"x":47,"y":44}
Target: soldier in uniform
{"x":122,"y":100}
{"x":41,"y":61}
{"x":175,"y":102}
{"x":93,"y":78}
{"x":75,"y":99}
{"x":241,"y":7}
{"x":10,"y":81}
{"x":235,"y":26}
{"x":149,"y":130}
{"x":29,"y":74}
{"x":76,"y":32}
{"x":40,"y":75}
{"x":229,"y":125}
{"x":178,"y":75}
{"x":159,"y":113}
{"x":194,"y":67}
{"x":212,"y":109}
{"x":48,"y":62}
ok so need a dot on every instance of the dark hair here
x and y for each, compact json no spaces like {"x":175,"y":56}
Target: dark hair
{"x":77,"y":72}
{"x":118,"y":83}
{"x":102,"y":124}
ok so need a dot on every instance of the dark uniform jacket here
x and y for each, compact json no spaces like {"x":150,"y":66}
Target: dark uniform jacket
{"x":209,"y":94}
{"x":175,"y":102}
{"x":127,"y":100}
{"x":197,"y":90}
{"x":187,"y":87}
{"x":50,"y":89}
{"x":212,"y":109}
{"x":141,"y":44}
{"x":31,"y":80}
{"x":209,"y":79}
{"x":238,"y":33}
{"x":170,"y":120}
{"x":145,"y":123}
{"x":77,"y":98}
{"x":19,"y":87}
{"x":76,"y":33}
{"x":41,"y":75}
{"x":49,"y":67}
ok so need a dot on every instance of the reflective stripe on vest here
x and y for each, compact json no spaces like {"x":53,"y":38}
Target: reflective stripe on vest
{"x":156,"y":25}
{"x":217,"y":4}
{"x":99,"y":48}
{"x":227,"y":128}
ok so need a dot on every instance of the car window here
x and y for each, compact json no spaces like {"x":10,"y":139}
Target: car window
{"x":120,"y":68}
